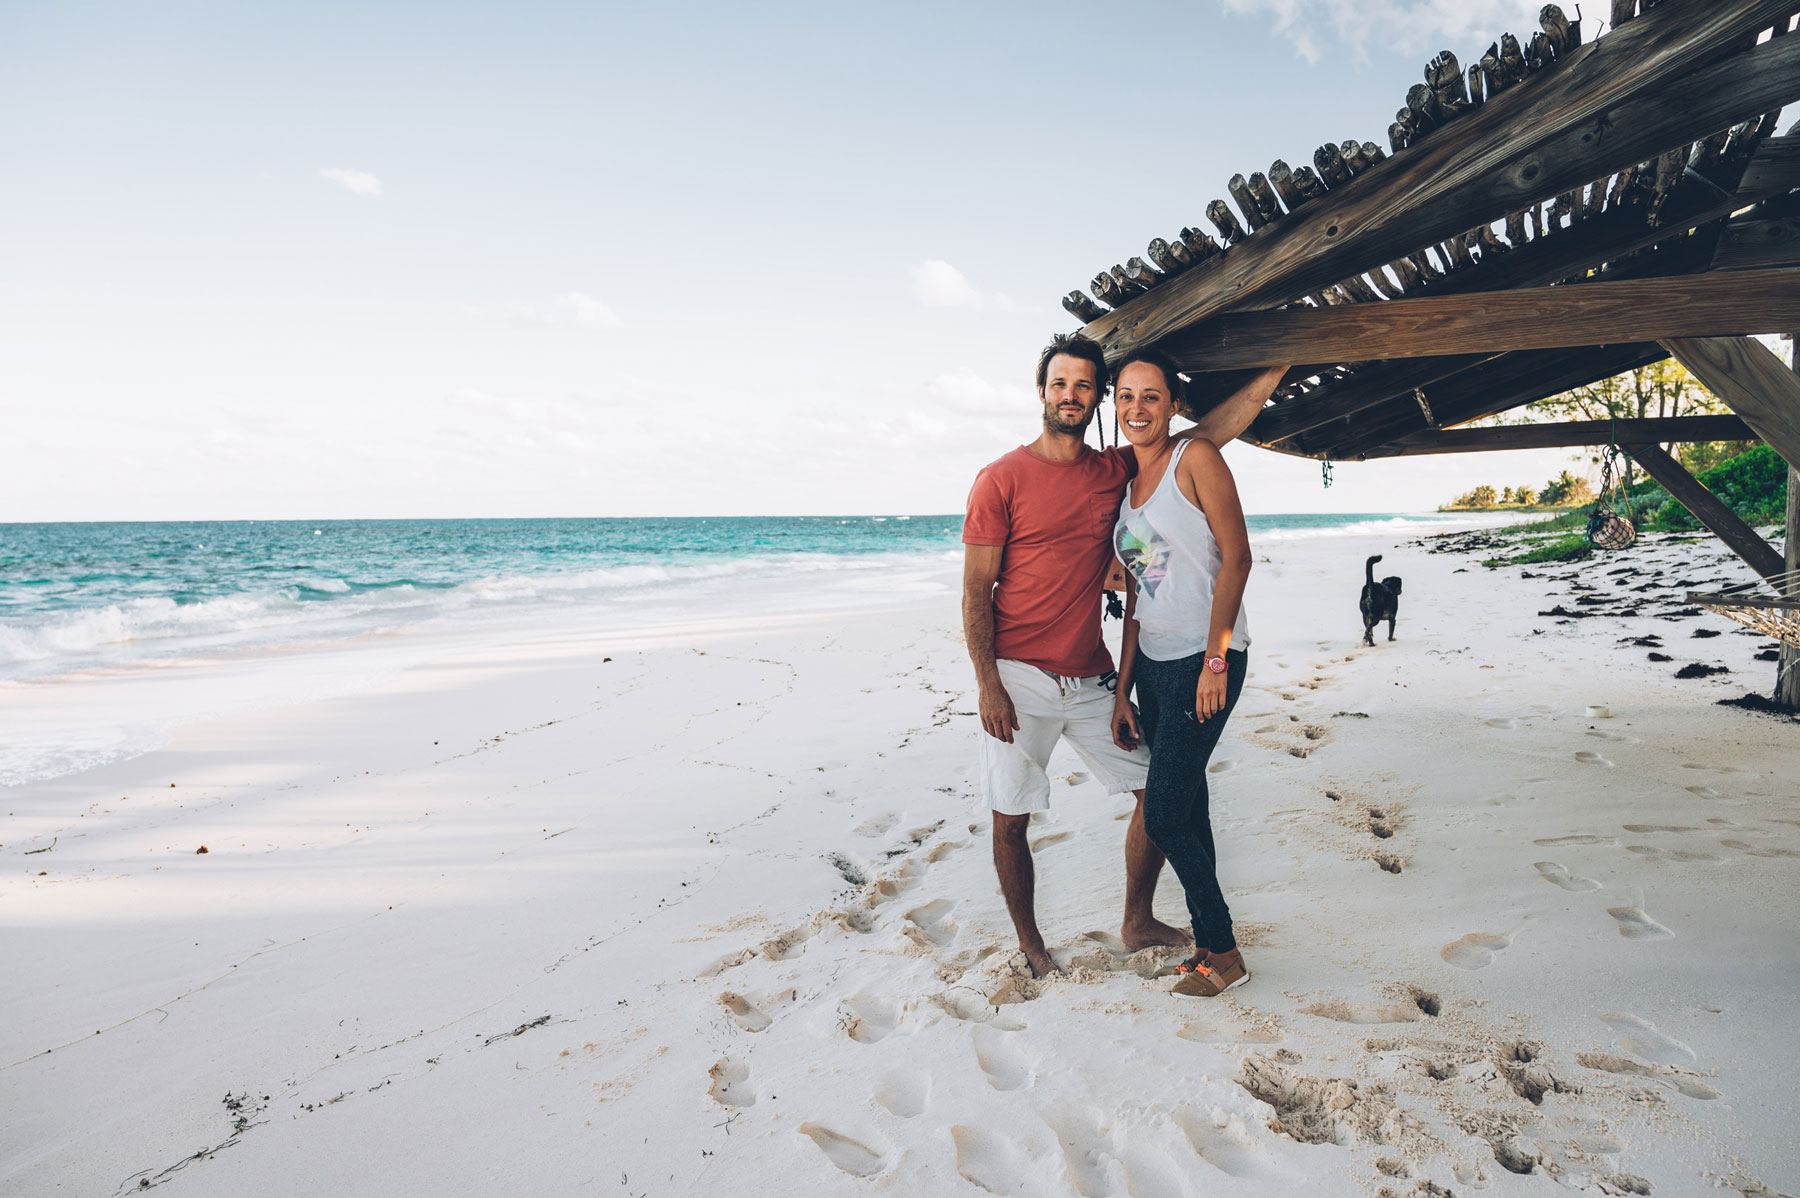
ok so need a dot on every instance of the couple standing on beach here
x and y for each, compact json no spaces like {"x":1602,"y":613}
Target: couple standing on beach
{"x":1044,"y":525}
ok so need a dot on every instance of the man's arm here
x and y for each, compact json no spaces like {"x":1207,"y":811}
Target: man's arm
{"x":981,"y":569}
{"x":1223,"y":423}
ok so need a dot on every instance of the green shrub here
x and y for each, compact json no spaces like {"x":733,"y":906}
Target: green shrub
{"x":1561,"y":549}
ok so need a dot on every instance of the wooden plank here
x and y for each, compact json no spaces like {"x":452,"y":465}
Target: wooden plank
{"x":1776,"y":166}
{"x":1708,"y":509}
{"x":1787,"y":668}
{"x":1568,"y":433}
{"x":1753,"y":382}
{"x":1747,"y":243}
{"x":1750,"y":301}
{"x":1609,"y":105}
{"x":1360,"y":391}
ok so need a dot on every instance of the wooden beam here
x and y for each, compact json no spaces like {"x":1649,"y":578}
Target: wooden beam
{"x":1753,"y":301}
{"x":1787,"y":668}
{"x":1610,"y":104}
{"x":1747,"y":243}
{"x":1500,"y":385}
{"x":1708,"y":509}
{"x":1360,"y":391}
{"x":1753,"y":382}
{"x":1568,"y":433}
{"x":1777,"y":169}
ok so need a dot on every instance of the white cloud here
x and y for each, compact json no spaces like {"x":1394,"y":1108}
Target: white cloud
{"x":937,"y":284}
{"x":1410,"y":24}
{"x":360,"y":183}
{"x":569,"y":310}
{"x":967,"y":392}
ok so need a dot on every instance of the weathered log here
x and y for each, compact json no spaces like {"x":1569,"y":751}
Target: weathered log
{"x":1106,"y":290}
{"x":1476,"y":97}
{"x":1428,"y":270}
{"x":1263,"y":196}
{"x":1178,"y":253}
{"x":1398,"y":136}
{"x":1493,"y":75}
{"x":1709,"y":150}
{"x":1556,"y":28}
{"x":1489,"y":241}
{"x":1308,"y":183}
{"x":1200,"y":245}
{"x":1281,"y":178}
{"x":1359,"y":290}
{"x":1501,"y":158}
{"x":1127,"y":284}
{"x":1459,"y":252}
{"x":1668,"y":169}
{"x":1385,"y":285}
{"x":1596,"y":313}
{"x":1623,"y":11}
{"x":1162,"y":256}
{"x":1562,"y":208}
{"x":1078,"y":305}
{"x":1373,"y":152}
{"x":1623,"y":184}
{"x":1539,"y":53}
{"x":1225,"y":222}
{"x":1515,"y":228}
{"x":1595,"y":202}
{"x":1142,"y":273}
{"x":1355,"y":161}
{"x":1410,"y":278}
{"x":1444,"y":76}
{"x":1422,"y":102}
{"x":1512,"y":60}
{"x":1330,"y":163}
{"x":1239,"y":187}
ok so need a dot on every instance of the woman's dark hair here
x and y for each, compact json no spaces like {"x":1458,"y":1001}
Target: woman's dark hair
{"x":1151,"y":356}
{"x":1075,"y":346}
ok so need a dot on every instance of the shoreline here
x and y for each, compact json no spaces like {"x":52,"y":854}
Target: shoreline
{"x":716,"y":915}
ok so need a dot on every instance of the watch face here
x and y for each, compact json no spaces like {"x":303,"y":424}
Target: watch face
{"x":1216,"y":664}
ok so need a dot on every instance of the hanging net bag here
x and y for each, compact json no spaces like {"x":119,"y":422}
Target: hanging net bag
{"x":1610,"y":526}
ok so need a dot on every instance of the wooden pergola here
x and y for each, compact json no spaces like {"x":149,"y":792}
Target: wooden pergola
{"x":1560,"y":212}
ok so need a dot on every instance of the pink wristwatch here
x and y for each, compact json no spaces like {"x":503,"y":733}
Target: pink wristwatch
{"x":1216,"y":664}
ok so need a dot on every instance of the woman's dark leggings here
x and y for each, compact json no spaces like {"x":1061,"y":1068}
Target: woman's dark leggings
{"x":1175,"y":801}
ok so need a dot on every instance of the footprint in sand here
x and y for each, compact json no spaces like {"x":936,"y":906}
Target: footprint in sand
{"x":972,"y":1006}
{"x":1086,"y":1149}
{"x":1476,"y":950}
{"x":1221,"y":767}
{"x":1587,"y":758}
{"x":1367,"y":1013}
{"x":1639,"y":1037}
{"x":947,"y":848}
{"x":1226,"y":1142}
{"x":742,"y":1012}
{"x":731,"y":1083}
{"x":789,"y":944}
{"x":1635,"y":925}
{"x":1201,"y":1032}
{"x":877,"y":825}
{"x":1704,"y":792}
{"x":868,"y":1020}
{"x":931,"y":925}
{"x":1613,"y":736}
{"x":1684,"y":1083}
{"x":1662,"y":854}
{"x":1751,"y":850}
{"x":1048,"y":839}
{"x":905,"y":1093}
{"x":1717,"y":769}
{"x":1503,"y":722}
{"x":1578,"y":838}
{"x":852,"y":1156}
{"x":1558,"y":873}
{"x":989,"y":1160}
{"x":901,"y":881}
{"x":1642,"y":828}
{"x":1005,"y":1068}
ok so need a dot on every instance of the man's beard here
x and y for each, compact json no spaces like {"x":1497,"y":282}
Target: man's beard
{"x":1055,"y":422}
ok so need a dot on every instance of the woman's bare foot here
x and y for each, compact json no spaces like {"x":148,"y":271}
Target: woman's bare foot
{"x":1154,"y":931}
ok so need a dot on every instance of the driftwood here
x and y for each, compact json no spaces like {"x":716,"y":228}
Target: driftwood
{"x":1444,"y":76}
{"x":1239,"y":187}
{"x":1330,"y":163}
{"x":1561,"y":35}
{"x":1163,"y":258}
{"x":1142,"y":273}
{"x":1263,"y":196}
{"x":1200,"y":246}
{"x":1078,"y":305}
{"x":1281,"y":178}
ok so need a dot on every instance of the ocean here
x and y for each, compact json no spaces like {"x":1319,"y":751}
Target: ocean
{"x":77,"y":596}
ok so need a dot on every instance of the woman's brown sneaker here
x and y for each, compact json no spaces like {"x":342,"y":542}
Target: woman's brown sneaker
{"x":1208,"y":980}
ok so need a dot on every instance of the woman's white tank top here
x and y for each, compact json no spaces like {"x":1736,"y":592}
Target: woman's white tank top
{"x":1168,"y":546}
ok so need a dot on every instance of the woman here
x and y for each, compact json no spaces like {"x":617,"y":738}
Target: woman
{"x":1181,"y":537}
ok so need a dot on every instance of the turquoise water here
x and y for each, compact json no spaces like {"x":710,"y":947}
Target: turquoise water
{"x":78,"y":595}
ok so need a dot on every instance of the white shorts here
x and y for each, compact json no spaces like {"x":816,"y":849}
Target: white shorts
{"x":1079,"y":710}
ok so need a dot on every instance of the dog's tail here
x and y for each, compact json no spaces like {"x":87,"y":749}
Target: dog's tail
{"x":1369,"y":568}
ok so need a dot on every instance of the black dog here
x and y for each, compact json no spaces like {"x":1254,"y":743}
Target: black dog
{"x":1380,"y":601}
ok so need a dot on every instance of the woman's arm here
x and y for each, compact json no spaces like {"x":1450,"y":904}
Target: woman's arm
{"x":1124,"y":721}
{"x":1204,"y":478}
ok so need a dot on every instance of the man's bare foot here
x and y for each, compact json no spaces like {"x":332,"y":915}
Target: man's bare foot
{"x":1042,"y":966}
{"x":1143,"y":935}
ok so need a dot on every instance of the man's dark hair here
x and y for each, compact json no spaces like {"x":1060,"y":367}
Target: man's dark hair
{"x":1075,"y":346}
{"x":1152,"y":356}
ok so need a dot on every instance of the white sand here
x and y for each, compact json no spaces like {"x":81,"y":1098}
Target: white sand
{"x":717,"y":917}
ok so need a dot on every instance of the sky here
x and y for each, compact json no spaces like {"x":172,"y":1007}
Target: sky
{"x":548,"y":259}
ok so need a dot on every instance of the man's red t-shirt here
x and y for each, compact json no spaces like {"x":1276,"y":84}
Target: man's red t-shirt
{"x":1055,"y":520}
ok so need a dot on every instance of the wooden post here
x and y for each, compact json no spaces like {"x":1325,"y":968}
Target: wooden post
{"x":1708,"y":509}
{"x":1787,"y":675}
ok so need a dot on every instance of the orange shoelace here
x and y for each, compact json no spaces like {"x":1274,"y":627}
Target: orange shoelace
{"x":1193,"y":967}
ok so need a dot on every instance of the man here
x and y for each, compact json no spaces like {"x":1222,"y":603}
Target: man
{"x":1037,"y":548}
